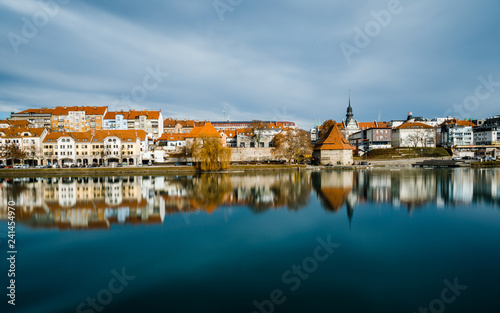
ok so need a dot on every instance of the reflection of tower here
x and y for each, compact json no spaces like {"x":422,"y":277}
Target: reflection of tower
{"x":351,"y":203}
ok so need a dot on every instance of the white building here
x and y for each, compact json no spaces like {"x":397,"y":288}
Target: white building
{"x":414,"y":135}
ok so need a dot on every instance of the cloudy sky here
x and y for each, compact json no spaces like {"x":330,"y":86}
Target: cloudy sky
{"x":255,"y":59}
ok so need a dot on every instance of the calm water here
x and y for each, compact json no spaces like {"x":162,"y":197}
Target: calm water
{"x":338,"y":241}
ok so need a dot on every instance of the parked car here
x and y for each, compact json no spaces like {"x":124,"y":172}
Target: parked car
{"x":17,"y":166}
{"x":56,"y":166}
{"x":489,"y":158}
{"x":139,"y":164}
{"x":119,"y":165}
{"x":456,"y":158}
{"x":39,"y":166}
{"x":478,"y":158}
{"x":2,"y":166}
{"x":149,"y":163}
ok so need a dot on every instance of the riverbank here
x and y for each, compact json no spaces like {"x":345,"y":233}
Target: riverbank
{"x":135,"y":171}
{"x":184,"y":170}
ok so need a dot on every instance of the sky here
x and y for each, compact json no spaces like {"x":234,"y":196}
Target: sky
{"x":253,"y":59}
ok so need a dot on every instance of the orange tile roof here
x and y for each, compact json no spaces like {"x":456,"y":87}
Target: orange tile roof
{"x":366,"y":125}
{"x":88,"y":110}
{"x":122,"y":134}
{"x":112,"y":115}
{"x":170,"y":122}
{"x":457,"y":123}
{"x":228,"y":133}
{"x":333,"y":140}
{"x":414,"y":125}
{"x":172,"y":137}
{"x":37,"y":111}
{"x":208,"y":130}
{"x":56,"y":135}
{"x":244,"y":131}
{"x":18,"y":132}
{"x":149,"y":114}
{"x":18,"y":123}
{"x":82,"y":136}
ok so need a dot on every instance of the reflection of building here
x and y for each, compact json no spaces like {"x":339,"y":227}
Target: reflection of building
{"x":100,"y":202}
{"x":111,"y":146}
{"x":333,"y":188}
{"x":333,"y":149}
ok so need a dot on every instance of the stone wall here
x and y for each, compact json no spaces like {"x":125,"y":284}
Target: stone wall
{"x":333,"y":157}
{"x":251,"y":154}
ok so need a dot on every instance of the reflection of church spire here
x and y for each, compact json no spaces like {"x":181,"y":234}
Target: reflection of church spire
{"x":350,"y":212}
{"x":351,"y":202}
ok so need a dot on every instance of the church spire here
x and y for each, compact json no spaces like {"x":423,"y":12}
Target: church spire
{"x":349,"y":114}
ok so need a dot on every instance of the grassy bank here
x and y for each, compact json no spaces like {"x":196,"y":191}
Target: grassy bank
{"x":406,"y":153}
{"x":486,"y":164}
{"x":133,"y":171}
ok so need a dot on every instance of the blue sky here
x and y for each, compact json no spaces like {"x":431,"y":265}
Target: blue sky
{"x":257,"y":59}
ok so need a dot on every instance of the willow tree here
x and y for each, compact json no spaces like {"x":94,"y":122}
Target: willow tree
{"x":292,"y":144}
{"x":210,"y":155}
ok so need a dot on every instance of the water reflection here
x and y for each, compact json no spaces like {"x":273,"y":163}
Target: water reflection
{"x":94,"y":203}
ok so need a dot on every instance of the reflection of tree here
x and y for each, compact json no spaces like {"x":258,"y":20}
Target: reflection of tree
{"x":14,"y":191}
{"x":210,"y":190}
{"x":292,"y":190}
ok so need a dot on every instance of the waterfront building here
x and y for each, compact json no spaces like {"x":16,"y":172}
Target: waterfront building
{"x":28,"y":140}
{"x":455,"y":132}
{"x":78,"y":119}
{"x":149,"y":121}
{"x":174,"y":126}
{"x":333,"y":149}
{"x":413,"y":134}
{"x":487,"y":133}
{"x":39,"y":118}
{"x":372,"y":138}
{"x":104,"y":147}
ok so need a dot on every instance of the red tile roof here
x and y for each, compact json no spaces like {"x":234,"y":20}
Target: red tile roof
{"x":88,"y":110}
{"x":458,"y":122}
{"x":208,"y":130}
{"x":333,"y":140}
{"x":414,"y":125}
{"x":38,"y":111}
{"x":172,"y":137}
{"x":150,"y":115}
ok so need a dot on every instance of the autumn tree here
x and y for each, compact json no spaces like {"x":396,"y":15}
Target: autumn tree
{"x":12,"y":151}
{"x":291,"y":144}
{"x":325,"y":127}
{"x":210,"y":155}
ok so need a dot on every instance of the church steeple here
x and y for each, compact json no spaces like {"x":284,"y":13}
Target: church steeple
{"x":349,"y":114}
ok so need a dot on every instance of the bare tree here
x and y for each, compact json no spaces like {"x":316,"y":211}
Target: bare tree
{"x":12,"y":151}
{"x":417,"y":138}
